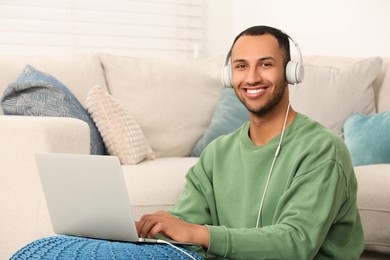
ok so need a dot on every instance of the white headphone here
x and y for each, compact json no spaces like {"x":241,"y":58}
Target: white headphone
{"x":294,"y":69}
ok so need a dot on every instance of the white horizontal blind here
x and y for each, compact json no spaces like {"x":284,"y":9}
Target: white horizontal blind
{"x":149,"y":28}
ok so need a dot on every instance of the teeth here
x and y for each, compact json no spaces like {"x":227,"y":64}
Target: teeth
{"x":254,"y":91}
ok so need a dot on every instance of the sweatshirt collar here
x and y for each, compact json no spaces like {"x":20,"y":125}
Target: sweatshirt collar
{"x":274,"y":141}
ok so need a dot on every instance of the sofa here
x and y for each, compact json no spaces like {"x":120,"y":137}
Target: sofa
{"x":165,"y":112}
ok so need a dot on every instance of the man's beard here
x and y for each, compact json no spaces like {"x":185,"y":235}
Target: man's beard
{"x":271,"y":103}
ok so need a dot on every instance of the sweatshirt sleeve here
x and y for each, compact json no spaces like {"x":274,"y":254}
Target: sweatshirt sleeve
{"x":196,"y":203}
{"x":302,"y":220}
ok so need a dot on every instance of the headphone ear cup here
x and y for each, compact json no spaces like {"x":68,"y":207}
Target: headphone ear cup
{"x":226,"y":76}
{"x":294,"y":72}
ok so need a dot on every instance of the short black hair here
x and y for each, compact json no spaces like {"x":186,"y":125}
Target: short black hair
{"x":281,"y":37}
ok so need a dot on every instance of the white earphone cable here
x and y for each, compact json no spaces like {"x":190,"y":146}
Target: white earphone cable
{"x":177,"y":248}
{"x":275,"y":156}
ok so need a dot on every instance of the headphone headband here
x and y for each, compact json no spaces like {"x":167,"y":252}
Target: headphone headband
{"x":297,"y":48}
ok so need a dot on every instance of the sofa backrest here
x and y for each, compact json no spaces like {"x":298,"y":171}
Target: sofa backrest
{"x":172,"y":101}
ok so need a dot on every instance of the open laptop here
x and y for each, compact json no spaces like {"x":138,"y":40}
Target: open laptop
{"x":86,"y":196}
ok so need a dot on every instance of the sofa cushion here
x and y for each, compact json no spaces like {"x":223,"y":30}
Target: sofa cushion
{"x":172,"y":101}
{"x":159,"y":182}
{"x":374,"y":205}
{"x":36,"y":93}
{"x":329,"y":95}
{"x":121,"y":134}
{"x":381,"y":83}
{"x":229,"y":115}
{"x":78,"y":72}
{"x":368,"y":139}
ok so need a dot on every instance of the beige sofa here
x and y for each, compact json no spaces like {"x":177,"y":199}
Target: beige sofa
{"x":173,"y":102}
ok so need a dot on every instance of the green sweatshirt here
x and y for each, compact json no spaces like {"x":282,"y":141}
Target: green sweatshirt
{"x":310,"y":206}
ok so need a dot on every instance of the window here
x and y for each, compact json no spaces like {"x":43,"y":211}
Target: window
{"x":148,"y":28}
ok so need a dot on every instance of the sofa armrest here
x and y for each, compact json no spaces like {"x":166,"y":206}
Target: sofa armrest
{"x":24,"y":216}
{"x":374,"y":206}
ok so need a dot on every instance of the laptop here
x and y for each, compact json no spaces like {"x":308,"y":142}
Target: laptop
{"x":86,"y":196}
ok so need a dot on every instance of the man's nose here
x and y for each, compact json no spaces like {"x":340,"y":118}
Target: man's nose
{"x":253,"y":75}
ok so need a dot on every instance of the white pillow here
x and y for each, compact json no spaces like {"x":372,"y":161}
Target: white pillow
{"x":330,"y":95}
{"x":121,"y":134}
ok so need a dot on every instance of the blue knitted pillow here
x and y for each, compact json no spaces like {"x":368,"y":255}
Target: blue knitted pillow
{"x":77,"y":248}
{"x":36,"y":93}
{"x":368,"y":139}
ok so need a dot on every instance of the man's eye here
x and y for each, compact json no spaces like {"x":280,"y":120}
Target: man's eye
{"x":240,"y":66}
{"x":266,"y":64}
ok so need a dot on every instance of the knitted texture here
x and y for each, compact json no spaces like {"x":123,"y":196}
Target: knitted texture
{"x":67,"y":247}
{"x":122,"y":135}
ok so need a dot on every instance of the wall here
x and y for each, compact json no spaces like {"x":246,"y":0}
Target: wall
{"x":219,"y":27}
{"x":356,"y":28}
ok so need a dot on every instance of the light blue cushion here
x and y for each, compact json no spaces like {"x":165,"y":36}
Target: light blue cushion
{"x":77,"y":248}
{"x":368,"y":138}
{"x":229,"y":115}
{"x":36,"y":93}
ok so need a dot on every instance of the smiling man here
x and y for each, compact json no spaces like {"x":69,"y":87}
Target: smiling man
{"x":258,"y":68}
{"x":280,"y":187}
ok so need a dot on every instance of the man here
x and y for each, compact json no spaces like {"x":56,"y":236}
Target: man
{"x":240,"y":202}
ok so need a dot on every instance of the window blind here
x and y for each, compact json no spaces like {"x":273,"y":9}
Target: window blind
{"x":148,"y":28}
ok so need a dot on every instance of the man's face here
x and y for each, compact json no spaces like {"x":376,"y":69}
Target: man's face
{"x":258,"y":73}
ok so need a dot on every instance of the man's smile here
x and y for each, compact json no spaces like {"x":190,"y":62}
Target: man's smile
{"x":254,"y":92}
